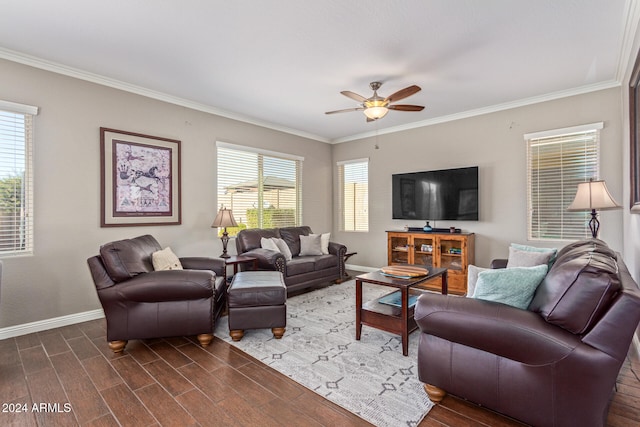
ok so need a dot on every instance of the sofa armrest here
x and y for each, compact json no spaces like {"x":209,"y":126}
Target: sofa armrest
{"x":268,"y":259}
{"x":216,"y":265}
{"x":499,"y":263}
{"x":337,"y":249}
{"x":496,"y":328}
{"x":167,"y":285}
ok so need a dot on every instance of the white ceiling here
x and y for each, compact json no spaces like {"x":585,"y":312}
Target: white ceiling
{"x":283,"y":63}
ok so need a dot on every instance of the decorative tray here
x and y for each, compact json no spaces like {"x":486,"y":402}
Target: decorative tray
{"x":404,"y":271}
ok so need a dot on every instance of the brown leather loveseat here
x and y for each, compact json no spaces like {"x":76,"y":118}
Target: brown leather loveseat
{"x":141,"y":303}
{"x":554,"y":364}
{"x":301,"y":271}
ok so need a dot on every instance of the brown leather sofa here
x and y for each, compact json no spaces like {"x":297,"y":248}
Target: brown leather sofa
{"x":301,"y":271}
{"x":554,"y":364}
{"x":141,"y":303}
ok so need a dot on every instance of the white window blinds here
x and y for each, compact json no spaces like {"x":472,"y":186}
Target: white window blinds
{"x":262,"y":188}
{"x":557,"y":161}
{"x":16,"y":178}
{"x":353,"y":177}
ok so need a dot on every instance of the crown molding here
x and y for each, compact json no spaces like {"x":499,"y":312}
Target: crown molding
{"x":55,"y":67}
{"x":485,"y":110}
{"x":139,"y":90}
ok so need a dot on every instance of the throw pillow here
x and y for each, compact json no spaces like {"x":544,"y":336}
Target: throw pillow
{"x":324,"y":242}
{"x":268,"y":243}
{"x":165,"y":260}
{"x":283,"y":247}
{"x":310,"y":245}
{"x":552,"y":251}
{"x":472,"y":278}
{"x":520,"y":258}
{"x":512,"y":286}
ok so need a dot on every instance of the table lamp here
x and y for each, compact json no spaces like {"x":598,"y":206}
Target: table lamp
{"x":590,"y":196}
{"x":225,"y":219}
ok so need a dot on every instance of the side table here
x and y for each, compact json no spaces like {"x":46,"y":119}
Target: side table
{"x":346,"y":275}
{"x":236,"y":260}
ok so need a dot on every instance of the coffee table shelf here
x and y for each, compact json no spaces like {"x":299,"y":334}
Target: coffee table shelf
{"x":397,"y":320}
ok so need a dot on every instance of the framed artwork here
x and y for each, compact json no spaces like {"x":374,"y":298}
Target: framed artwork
{"x":140,"y":179}
{"x":634,"y":120}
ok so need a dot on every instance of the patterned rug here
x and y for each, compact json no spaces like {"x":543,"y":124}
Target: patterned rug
{"x":370,"y":378}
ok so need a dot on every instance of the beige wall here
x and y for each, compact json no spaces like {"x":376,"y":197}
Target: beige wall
{"x":55,"y":281}
{"x":495,"y":143}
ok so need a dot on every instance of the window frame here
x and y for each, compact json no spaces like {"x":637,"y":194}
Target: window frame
{"x":573,"y":220}
{"x":262,"y":154}
{"x":341,"y":198}
{"x":25,"y":236}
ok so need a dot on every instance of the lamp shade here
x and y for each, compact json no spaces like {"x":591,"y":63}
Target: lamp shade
{"x":593,"y":195}
{"x":224,"y":218}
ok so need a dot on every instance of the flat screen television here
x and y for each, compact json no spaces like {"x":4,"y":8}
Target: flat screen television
{"x":449,"y":194}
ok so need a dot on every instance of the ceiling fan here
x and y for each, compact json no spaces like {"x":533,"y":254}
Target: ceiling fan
{"x":376,"y":107}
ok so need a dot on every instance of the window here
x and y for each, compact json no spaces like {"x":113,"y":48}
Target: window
{"x":354,"y":195}
{"x":16,"y":178}
{"x":557,"y":161}
{"x":261,"y":188}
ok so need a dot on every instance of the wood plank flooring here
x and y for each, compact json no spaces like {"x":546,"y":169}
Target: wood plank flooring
{"x":74,"y":379}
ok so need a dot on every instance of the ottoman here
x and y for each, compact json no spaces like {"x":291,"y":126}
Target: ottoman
{"x":256,"y":300}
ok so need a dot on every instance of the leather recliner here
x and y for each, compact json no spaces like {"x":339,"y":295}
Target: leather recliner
{"x":141,"y":303}
{"x":554,"y":364}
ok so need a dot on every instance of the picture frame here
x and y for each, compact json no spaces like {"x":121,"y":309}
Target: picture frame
{"x":140,"y":179}
{"x":634,"y":121}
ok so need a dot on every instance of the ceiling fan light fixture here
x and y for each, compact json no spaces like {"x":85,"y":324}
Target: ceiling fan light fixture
{"x":376,"y":108}
{"x":375,"y":113}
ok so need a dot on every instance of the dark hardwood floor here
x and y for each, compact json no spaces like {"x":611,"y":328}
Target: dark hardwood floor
{"x":73,"y":378}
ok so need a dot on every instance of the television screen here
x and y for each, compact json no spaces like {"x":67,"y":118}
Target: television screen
{"x":449,"y":194}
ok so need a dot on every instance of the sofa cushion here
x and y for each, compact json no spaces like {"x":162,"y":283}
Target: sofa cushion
{"x":512,"y":286}
{"x":324,"y":243}
{"x":552,"y":251}
{"x":528,"y":258}
{"x":249,"y":239}
{"x":165,"y":260}
{"x":291,"y":236}
{"x":472,"y":278}
{"x":283,"y":247}
{"x":578,"y":289}
{"x":127,"y":258}
{"x":310,"y":245}
{"x":301,"y":265}
{"x":325,"y":261}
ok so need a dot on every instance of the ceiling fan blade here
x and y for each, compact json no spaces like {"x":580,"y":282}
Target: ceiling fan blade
{"x":401,"y":107}
{"x":345,"y":110}
{"x":353,"y":95}
{"x":403,"y":93}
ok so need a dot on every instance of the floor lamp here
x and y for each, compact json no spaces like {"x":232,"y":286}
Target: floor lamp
{"x":592,"y":196}
{"x":225,"y":219}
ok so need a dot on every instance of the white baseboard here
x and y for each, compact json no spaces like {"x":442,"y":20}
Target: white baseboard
{"x":360,"y":268}
{"x":56,"y":322}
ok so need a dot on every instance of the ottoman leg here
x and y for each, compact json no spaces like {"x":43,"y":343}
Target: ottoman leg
{"x":236,"y":334}
{"x":277,"y":332}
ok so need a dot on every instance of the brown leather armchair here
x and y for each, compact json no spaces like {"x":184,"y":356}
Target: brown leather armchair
{"x":554,"y":364}
{"x":141,"y":303}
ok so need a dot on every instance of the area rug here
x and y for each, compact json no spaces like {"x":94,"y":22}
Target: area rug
{"x":370,"y":378}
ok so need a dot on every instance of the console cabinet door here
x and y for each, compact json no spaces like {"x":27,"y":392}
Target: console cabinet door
{"x":451,"y":251}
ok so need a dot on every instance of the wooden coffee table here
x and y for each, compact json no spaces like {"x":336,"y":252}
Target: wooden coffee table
{"x":390,"y":318}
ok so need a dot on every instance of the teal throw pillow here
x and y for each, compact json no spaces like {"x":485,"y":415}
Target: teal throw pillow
{"x":512,"y":286}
